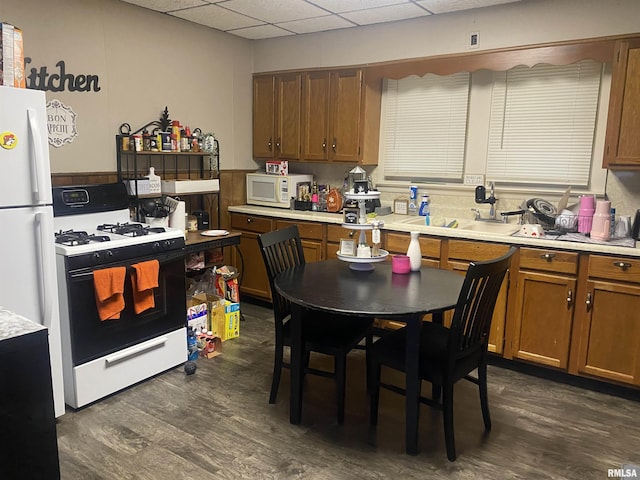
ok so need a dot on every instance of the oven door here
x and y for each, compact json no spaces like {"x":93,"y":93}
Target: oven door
{"x":92,"y":338}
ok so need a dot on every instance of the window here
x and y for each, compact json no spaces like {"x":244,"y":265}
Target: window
{"x":522,"y":126}
{"x":542,"y":124}
{"x":425,"y":126}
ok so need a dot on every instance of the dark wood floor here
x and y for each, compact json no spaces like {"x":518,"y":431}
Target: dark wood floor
{"x":217,"y":424}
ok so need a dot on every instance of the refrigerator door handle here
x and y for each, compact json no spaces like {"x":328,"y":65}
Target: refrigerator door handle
{"x":45,"y":260}
{"x":38,"y":157}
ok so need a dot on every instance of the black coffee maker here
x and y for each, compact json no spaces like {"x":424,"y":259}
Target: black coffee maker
{"x":635,"y":229}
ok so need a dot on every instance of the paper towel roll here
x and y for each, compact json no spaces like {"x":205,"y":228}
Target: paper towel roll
{"x":177,"y":217}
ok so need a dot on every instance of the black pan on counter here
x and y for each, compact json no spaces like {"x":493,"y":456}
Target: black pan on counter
{"x":544,"y":211}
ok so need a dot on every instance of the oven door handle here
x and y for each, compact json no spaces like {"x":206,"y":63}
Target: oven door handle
{"x":135,"y":350}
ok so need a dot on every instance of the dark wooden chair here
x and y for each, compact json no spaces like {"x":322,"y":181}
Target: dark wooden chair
{"x":322,"y":332}
{"x":448,"y":354}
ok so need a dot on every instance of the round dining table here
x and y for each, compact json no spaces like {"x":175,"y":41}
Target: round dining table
{"x":331,"y":286}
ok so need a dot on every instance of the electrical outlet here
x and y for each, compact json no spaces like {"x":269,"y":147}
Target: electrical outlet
{"x":474,"y":179}
{"x":474,"y":39}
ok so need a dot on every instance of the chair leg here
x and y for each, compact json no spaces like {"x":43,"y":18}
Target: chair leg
{"x":447,"y":413}
{"x":341,"y":384}
{"x":484,"y":395}
{"x":436,"y":392}
{"x":277,"y":371}
{"x":374,"y":394}
{"x":368,"y":359}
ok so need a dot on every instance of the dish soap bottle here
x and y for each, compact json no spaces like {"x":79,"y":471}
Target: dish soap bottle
{"x":425,"y":211}
{"x":414,"y":253}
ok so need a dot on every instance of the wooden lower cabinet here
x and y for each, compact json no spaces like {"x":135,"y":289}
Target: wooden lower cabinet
{"x":541,"y":307}
{"x":311,"y":237}
{"x":608,"y":321}
{"x":254,"y":280}
{"x":459,"y":253}
{"x":398,"y":243}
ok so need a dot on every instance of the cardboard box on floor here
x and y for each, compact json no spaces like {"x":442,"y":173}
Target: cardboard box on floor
{"x":223,"y":316}
{"x":232,"y":320}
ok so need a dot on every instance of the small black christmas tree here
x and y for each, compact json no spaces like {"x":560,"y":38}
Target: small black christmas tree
{"x":165,"y":121}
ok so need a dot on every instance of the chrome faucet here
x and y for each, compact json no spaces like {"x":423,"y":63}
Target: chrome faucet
{"x":481,"y":197}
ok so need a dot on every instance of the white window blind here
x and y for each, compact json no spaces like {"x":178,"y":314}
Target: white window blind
{"x":542,"y":124}
{"x":424,"y":126}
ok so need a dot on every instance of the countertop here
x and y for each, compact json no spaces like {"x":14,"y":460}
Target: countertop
{"x":14,"y":325}
{"x":399,"y":223}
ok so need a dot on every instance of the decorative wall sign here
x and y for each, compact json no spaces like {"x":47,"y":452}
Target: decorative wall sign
{"x":60,"y":80}
{"x":61,"y":123}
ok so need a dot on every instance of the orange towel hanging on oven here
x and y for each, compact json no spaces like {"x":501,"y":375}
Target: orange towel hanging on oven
{"x":108,"y":284}
{"x":144,"y":279}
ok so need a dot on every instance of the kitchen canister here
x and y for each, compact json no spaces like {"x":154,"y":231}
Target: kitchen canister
{"x":414,"y":253}
{"x":601,"y":222}
{"x":586,"y":212}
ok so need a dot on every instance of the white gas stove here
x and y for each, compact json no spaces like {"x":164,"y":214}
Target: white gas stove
{"x":102,"y":356}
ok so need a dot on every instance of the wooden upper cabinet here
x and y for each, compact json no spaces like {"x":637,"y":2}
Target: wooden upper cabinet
{"x":315,"y":138}
{"x":622,"y":145}
{"x":332,"y":115}
{"x":264,"y":104}
{"x":276,"y":116}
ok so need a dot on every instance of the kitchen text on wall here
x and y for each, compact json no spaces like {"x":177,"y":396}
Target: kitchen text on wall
{"x":60,"y":80}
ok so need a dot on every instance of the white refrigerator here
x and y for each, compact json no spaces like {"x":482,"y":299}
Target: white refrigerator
{"x":28,"y":284}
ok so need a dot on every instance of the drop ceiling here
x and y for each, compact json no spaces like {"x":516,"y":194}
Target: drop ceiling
{"x":260,"y":19}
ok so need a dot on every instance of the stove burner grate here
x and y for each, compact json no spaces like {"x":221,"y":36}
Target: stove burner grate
{"x":129,"y":229}
{"x":72,"y":238}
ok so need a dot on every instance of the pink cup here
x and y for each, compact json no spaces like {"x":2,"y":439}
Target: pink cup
{"x":400,"y":264}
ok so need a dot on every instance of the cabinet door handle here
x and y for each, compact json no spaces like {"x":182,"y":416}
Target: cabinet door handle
{"x":352,"y":233}
{"x":278,"y":144}
{"x":569,"y":298}
{"x":270,"y":144}
{"x":249,"y":220}
{"x":324,"y":144}
{"x":548,"y":256}
{"x":622,"y":265}
{"x":334,"y":146}
{"x":589,"y":301}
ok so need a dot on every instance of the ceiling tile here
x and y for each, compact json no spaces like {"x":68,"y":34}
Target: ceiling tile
{"x":216,"y":17}
{"x":167,"y":5}
{"x":443,"y":6}
{"x":317,"y":24}
{"x":263,"y":31}
{"x":385,"y":14}
{"x":339,"y":6}
{"x":274,"y":11}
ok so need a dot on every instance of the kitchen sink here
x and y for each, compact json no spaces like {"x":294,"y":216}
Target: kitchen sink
{"x":471,"y":225}
{"x":490,"y":227}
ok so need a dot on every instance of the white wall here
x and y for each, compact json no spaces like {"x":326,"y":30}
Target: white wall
{"x":513,"y":24}
{"x":145,"y":61}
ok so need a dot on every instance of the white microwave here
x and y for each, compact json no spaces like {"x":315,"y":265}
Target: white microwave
{"x":273,"y":190}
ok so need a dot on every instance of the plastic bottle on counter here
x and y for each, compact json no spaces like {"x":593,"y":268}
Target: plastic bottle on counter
{"x":314,"y":197}
{"x":425,"y":209}
{"x":613,"y":222}
{"x":413,"y":200}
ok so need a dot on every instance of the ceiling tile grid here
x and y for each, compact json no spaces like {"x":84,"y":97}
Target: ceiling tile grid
{"x":259,"y":19}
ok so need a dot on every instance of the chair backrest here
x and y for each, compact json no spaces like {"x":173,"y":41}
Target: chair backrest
{"x":281,"y":249}
{"x":472,"y":316}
